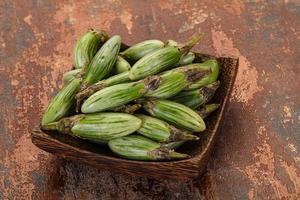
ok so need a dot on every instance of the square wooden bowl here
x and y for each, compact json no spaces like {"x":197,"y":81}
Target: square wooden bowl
{"x":102,"y":158}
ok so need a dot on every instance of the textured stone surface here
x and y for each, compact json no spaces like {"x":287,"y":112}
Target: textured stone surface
{"x":258,"y":153}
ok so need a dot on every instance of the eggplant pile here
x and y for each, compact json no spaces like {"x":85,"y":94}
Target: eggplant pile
{"x":143,"y":102}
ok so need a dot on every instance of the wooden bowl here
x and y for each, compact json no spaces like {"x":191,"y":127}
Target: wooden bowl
{"x":102,"y":158}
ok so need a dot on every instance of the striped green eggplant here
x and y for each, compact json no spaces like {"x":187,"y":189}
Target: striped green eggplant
{"x":160,"y":60}
{"x":121,"y":66}
{"x":208,"y":79}
{"x":139,"y":50}
{"x":161,"y":131}
{"x":155,"y":62}
{"x":103,"y":62}
{"x":173,"y":81}
{"x":87,"y":46}
{"x":172,"y":43}
{"x":70,"y":74}
{"x":99,"y":127}
{"x":186,"y":59}
{"x":198,"y":97}
{"x":113,"y":80}
{"x":117,"y":95}
{"x":62,"y":104}
{"x":137,"y":147}
{"x":177,"y":114}
{"x":203,"y":112}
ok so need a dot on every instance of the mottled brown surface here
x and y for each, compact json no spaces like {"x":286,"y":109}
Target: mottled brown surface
{"x":257,"y":156}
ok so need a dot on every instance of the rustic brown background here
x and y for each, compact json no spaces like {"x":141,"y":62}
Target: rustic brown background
{"x":258,"y":153}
